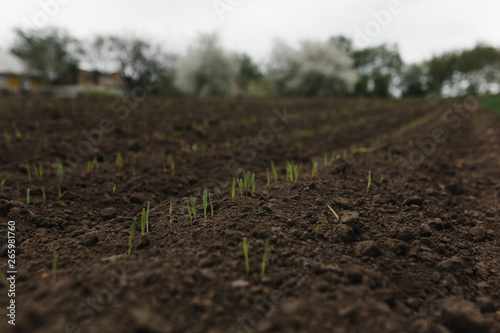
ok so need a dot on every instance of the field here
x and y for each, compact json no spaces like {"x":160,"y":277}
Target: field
{"x":382,"y":216}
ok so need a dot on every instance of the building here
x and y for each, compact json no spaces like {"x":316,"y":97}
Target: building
{"x":79,"y":82}
{"x":14,"y":75}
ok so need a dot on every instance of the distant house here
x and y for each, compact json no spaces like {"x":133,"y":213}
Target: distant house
{"x":14,"y":75}
{"x":77,"y":82}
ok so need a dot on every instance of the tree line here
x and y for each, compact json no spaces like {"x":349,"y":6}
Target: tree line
{"x":313,"y":69}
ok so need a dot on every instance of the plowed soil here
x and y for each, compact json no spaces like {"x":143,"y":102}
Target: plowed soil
{"x":416,"y":251}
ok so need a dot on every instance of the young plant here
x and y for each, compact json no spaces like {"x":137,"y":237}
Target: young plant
{"x":267,"y":172}
{"x":389,"y":156}
{"x":245,"y":253}
{"x":59,"y":192}
{"x":314,"y":169}
{"x":119,"y":160}
{"x":247,"y":184}
{"x":2,"y":183}
{"x":133,"y":170}
{"x":170,"y":213}
{"x":369,"y":181}
{"x":381,"y":177}
{"x":54,"y":265}
{"x":193,"y":208}
{"x":134,"y":224}
{"x":172,"y":167}
{"x":334,"y":213}
{"x":44,"y":198}
{"x":59,"y":169}
{"x":143,"y":221}
{"x":37,"y":173}
{"x":205,"y":203}
{"x":332,"y":159}
{"x":114,"y":188}
{"x":264,"y":259}
{"x":28,"y":196}
{"x":29,"y":172}
{"x":233,"y":190}
{"x":275,"y":174}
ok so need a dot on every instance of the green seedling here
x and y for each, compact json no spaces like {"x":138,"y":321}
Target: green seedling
{"x":334,"y":213}
{"x":190,"y":215}
{"x":353,"y":149}
{"x":7,"y":138}
{"x":28,"y":196}
{"x":211,"y":207}
{"x":316,"y":234}
{"x":44,"y":198}
{"x":172,"y":167}
{"x":205,"y":203}
{"x":29,"y":172}
{"x":95,"y":164}
{"x":54,"y":265}
{"x":381,"y":177}
{"x":59,"y":192}
{"x":264,"y":259}
{"x":314,"y":169}
{"x":17,"y":133}
{"x":147,"y":219}
{"x":114,"y":188}
{"x":38,"y":172}
{"x":2,"y":183}
{"x":132,"y":230}
{"x":344,"y":153}
{"x":369,"y":181}
{"x":332,"y":159}
{"x":59,"y":168}
{"x":170,"y":213}
{"x":133,"y":171}
{"x":268,"y":181}
{"x":143,"y":221}
{"x":245,"y":253}
{"x":233,"y":190}
{"x":293,"y":171}
{"x":193,"y":208}
{"x":119,"y":160}
{"x":247,"y":184}
{"x":275,"y":174}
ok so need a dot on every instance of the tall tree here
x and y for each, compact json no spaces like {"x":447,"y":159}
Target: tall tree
{"x":49,"y":53}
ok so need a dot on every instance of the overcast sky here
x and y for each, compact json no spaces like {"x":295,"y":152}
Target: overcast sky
{"x":420,"y":27}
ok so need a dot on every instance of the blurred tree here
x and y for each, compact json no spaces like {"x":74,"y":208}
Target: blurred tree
{"x":139,"y":62}
{"x":50,"y":53}
{"x":480,"y":67}
{"x":248,"y":72}
{"x":441,"y":70}
{"x":207,"y":69}
{"x":414,"y":81}
{"x":379,"y":68}
{"x":315,"y":69}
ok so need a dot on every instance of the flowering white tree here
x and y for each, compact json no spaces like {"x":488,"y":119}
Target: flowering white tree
{"x":207,"y":69}
{"x":314,"y":69}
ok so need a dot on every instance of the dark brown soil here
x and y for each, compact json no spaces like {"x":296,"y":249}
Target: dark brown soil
{"x":418,"y":252}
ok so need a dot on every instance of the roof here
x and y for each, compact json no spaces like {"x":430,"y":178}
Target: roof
{"x":10,"y":64}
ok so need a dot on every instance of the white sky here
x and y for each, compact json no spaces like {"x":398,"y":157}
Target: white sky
{"x":423,"y":28}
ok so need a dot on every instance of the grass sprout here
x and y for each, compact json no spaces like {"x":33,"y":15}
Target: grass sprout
{"x":247,"y":184}
{"x":147,"y":219}
{"x":193,"y":208}
{"x":170,"y":213}
{"x":132,"y":230}
{"x":332,"y":159}
{"x":268,"y":180}
{"x":334,"y":213}
{"x":205,"y":203}
{"x":293,"y":171}
{"x":28,"y":196}
{"x":2,"y":183}
{"x":59,"y":192}
{"x":233,"y":190}
{"x":114,"y":188}
{"x":44,"y":198}
{"x":133,"y":171}
{"x":211,"y":206}
{"x":369,"y":181}
{"x":143,"y":221}
{"x":59,"y":168}
{"x":314,"y":168}
{"x":245,"y":253}
{"x":190,"y":215}
{"x":119,"y":160}
{"x":264,"y":259}
{"x":29,"y":172}
{"x":275,"y":174}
